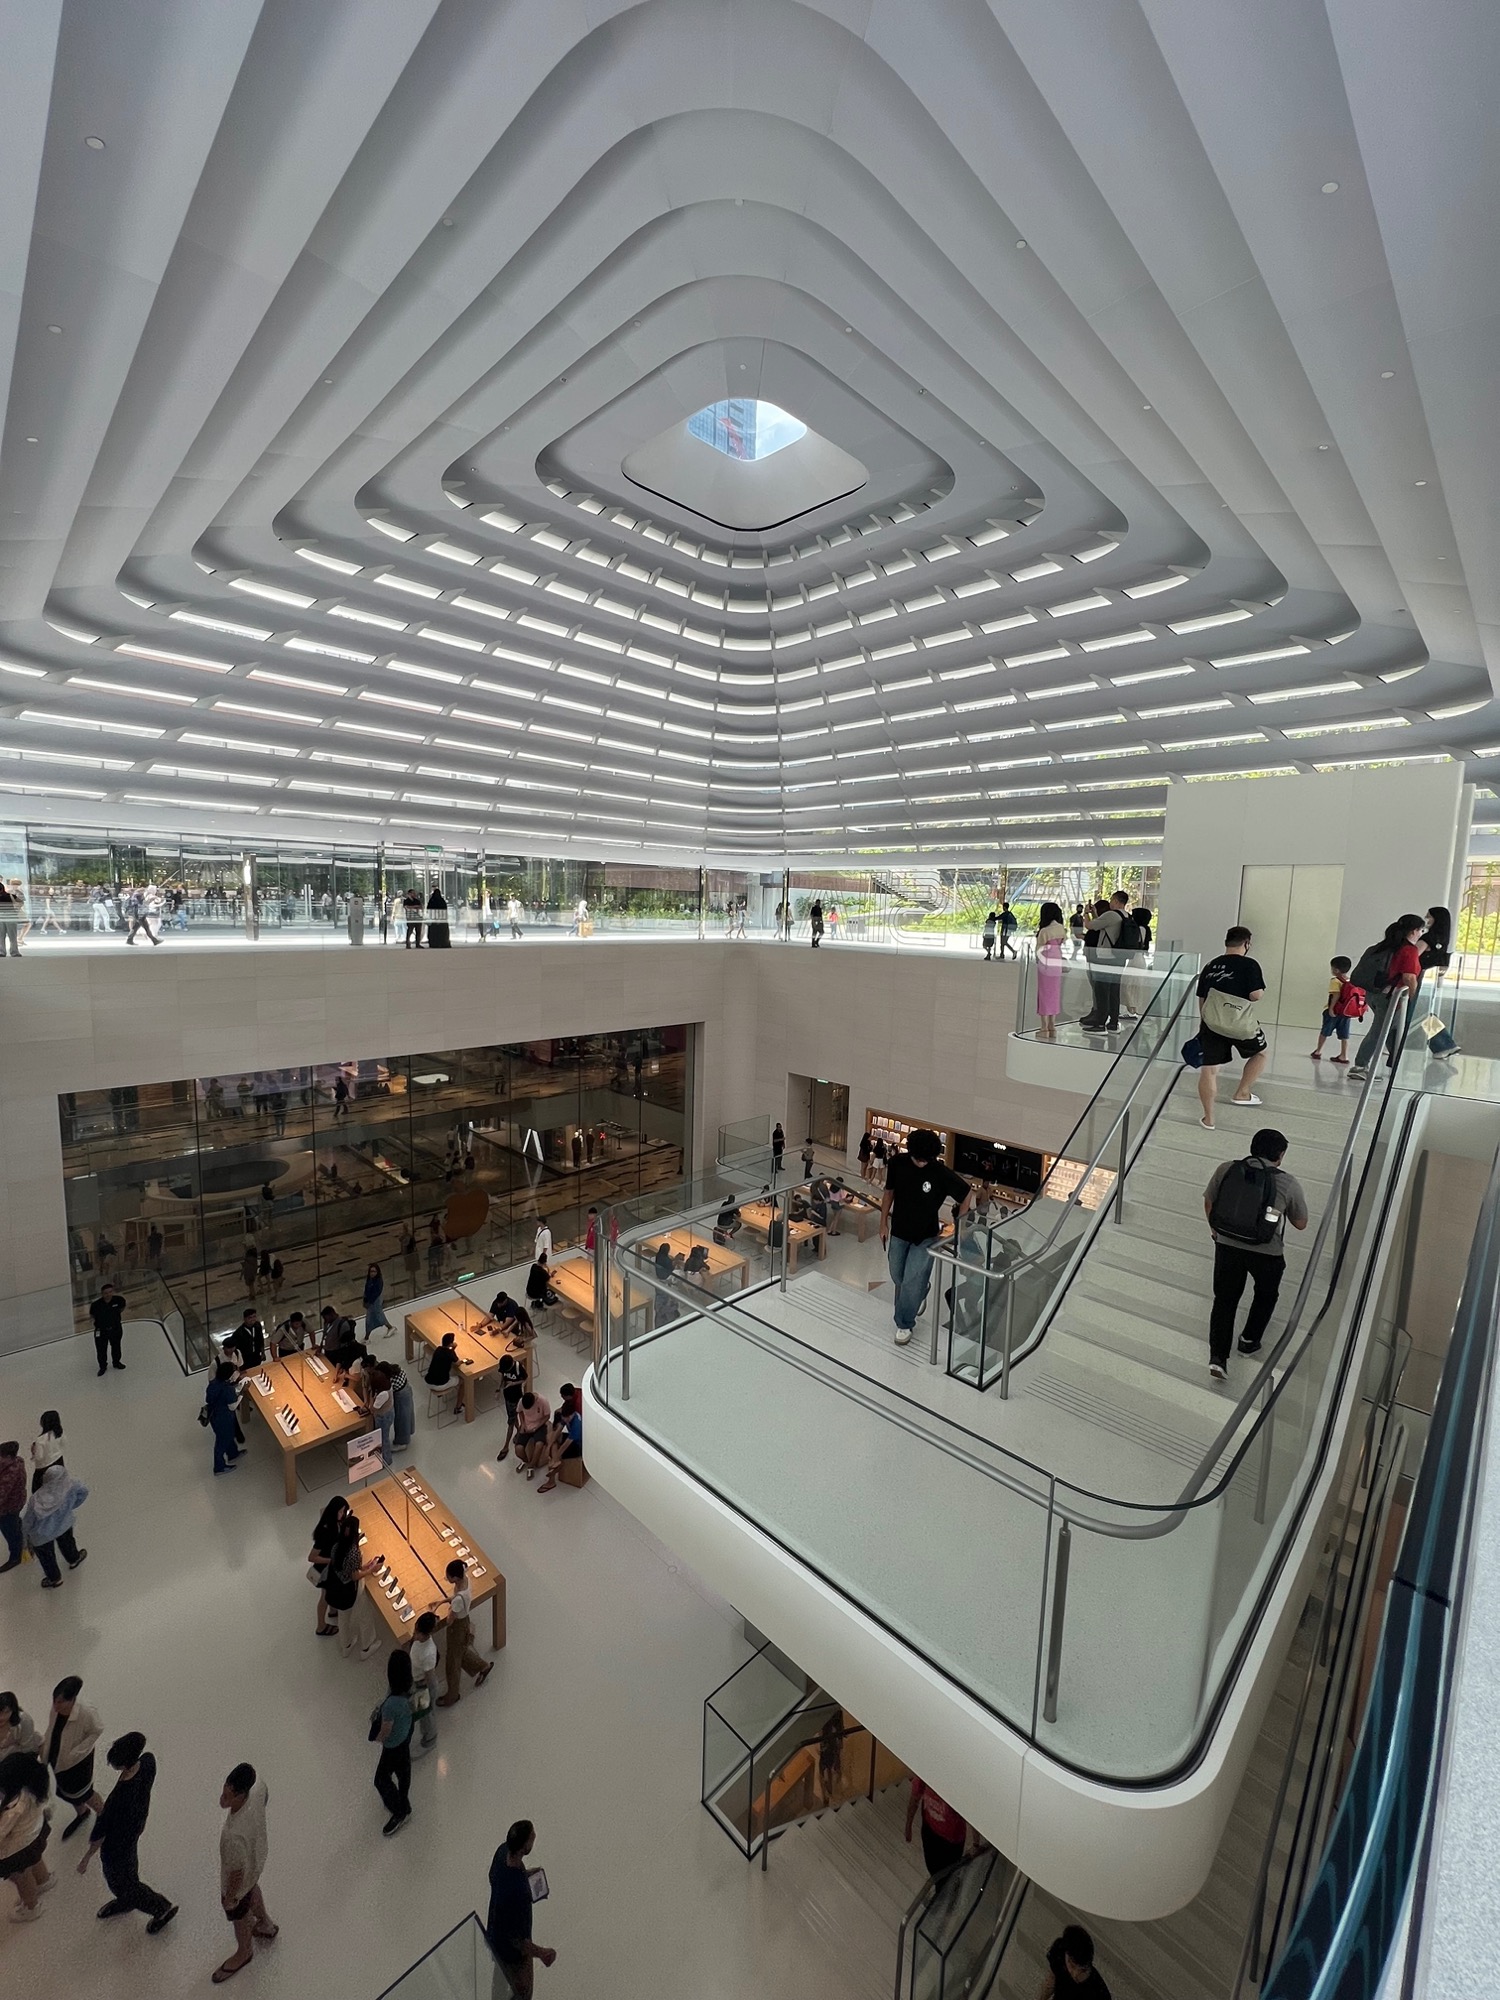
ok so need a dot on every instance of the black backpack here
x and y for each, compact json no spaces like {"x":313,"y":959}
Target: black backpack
{"x":1373,"y":971}
{"x":1132,"y":937}
{"x":1243,"y":1203}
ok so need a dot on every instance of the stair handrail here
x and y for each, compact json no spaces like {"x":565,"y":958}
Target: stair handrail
{"x":1096,"y":1159}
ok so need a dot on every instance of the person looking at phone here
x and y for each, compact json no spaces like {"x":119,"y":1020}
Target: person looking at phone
{"x":512,"y":1894}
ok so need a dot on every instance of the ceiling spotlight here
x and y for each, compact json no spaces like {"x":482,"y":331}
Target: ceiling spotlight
{"x":447,"y":222}
{"x":1323,"y":447}
{"x":94,"y":145}
{"x":54,"y":329}
{"x":1330,"y":187}
{"x":327,"y":381}
{"x":848,"y":329}
{"x":32,"y":440}
{"x":1145,"y":406}
{"x":1022,"y":244}
{"x":1421,"y":482}
{"x":1387,"y":374}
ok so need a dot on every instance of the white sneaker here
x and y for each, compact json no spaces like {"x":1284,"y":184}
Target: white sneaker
{"x":21,"y":1915}
{"x":903,"y":1335}
{"x":1217,"y":1370}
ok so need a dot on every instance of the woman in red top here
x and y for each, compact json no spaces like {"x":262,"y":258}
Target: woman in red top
{"x":943,"y":1831}
{"x":1402,"y":976}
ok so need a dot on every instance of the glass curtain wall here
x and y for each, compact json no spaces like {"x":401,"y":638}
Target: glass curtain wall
{"x":925,"y":905}
{"x":430,"y":1165}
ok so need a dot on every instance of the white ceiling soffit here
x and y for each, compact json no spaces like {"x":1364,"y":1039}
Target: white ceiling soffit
{"x":1161,"y":334}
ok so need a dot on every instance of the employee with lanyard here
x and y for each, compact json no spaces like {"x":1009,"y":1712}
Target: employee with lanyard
{"x":916,"y":1186}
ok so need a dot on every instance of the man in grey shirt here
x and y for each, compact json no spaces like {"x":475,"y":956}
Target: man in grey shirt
{"x":1107,"y":965}
{"x":1248,"y":1222}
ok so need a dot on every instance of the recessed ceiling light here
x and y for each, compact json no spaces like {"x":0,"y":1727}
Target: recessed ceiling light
{"x":447,"y":222}
{"x":54,"y":329}
{"x":94,"y":144}
{"x":1330,"y":187}
{"x":1022,"y":244}
{"x":1323,"y":447}
{"x":848,"y":329}
{"x":32,"y":440}
{"x":1387,"y":374}
{"x":1421,"y":482}
{"x":1145,"y":406}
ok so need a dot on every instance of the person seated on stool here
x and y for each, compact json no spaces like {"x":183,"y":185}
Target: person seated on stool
{"x":697,"y":1260}
{"x":531,"y":1432}
{"x":440,"y":1369}
{"x":566,"y":1440}
{"x":539,"y":1290}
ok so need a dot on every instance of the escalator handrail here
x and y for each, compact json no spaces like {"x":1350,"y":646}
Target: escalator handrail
{"x":1341,"y":1940}
{"x":1074,"y":1197}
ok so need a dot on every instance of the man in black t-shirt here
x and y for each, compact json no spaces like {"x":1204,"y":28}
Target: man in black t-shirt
{"x":1071,"y":1972}
{"x":916,"y":1186}
{"x":508,"y":1924}
{"x":1236,"y":974}
{"x":108,"y":1314}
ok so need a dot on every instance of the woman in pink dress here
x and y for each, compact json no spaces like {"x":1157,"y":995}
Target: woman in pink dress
{"x":1049,"y":970}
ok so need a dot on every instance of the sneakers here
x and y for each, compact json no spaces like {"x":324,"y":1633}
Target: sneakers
{"x":21,"y":1915}
{"x":1217,"y":1370}
{"x":903,"y":1335}
{"x":395,"y":1823}
{"x":113,"y":1908}
{"x":52,"y":1583}
{"x":1248,"y":1346}
{"x":1358,"y":1074}
{"x":81,"y":1557}
{"x":158,"y":1924}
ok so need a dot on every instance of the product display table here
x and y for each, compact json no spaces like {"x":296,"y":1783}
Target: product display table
{"x":801,"y":1236}
{"x":303,"y":1406}
{"x":479,"y":1341}
{"x":858,"y":1215}
{"x":573,"y":1279}
{"x":726,"y":1270}
{"x":402,"y":1518}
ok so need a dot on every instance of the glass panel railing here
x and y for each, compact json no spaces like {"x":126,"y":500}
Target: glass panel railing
{"x":1002,"y":1281}
{"x":1068,"y":989}
{"x":961,"y":1932}
{"x":460,"y":1966}
{"x":1351,"y":1939}
{"x":1058,"y":1627}
{"x":745,"y":1150}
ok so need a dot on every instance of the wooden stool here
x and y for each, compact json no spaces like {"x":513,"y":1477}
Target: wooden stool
{"x":573,"y":1472}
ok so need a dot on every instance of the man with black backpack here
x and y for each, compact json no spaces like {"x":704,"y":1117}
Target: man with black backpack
{"x":1116,"y":935}
{"x":1249,"y":1204}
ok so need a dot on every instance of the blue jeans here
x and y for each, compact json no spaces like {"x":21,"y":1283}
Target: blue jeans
{"x":910,"y":1266}
{"x":10,"y":1527}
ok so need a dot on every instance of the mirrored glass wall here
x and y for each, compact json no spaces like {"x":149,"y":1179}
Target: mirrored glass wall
{"x":279,"y":1188}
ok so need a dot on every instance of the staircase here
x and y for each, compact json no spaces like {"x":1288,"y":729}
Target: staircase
{"x":852,"y":1878}
{"x":1128,"y":1345}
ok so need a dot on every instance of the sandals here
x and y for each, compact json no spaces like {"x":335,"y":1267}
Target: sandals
{"x":484,"y":1673}
{"x":228,"y":1969}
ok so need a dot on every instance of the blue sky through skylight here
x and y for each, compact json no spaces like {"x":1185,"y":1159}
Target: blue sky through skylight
{"x":744,"y":428}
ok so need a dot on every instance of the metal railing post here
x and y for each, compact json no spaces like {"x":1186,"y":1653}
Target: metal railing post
{"x":1055,"y":1636}
{"x":874,"y":1746}
{"x":1119,"y":1201}
{"x":601,"y":1293}
{"x":1010,"y":1310}
{"x":786,"y":1234}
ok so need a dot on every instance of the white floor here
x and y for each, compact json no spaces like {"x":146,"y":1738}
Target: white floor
{"x":192,"y":1621}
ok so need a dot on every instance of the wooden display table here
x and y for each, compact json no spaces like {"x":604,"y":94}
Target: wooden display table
{"x":306,"y":1386}
{"x":723,"y":1261}
{"x":402,"y":1518}
{"x":572,"y":1278}
{"x":801,"y":1236}
{"x":857,"y":1213}
{"x":478,"y":1341}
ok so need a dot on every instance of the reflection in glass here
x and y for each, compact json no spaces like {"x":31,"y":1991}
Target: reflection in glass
{"x":280,"y":1188}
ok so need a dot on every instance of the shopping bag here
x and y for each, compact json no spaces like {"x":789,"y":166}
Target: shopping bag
{"x":1192,"y":1053}
{"x":1440,"y":1041}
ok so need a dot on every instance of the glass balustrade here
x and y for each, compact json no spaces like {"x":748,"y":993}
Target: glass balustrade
{"x":460,"y":1966}
{"x":1050,"y":1612}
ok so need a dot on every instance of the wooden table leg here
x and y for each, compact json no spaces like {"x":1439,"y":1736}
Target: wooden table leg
{"x":497,"y":1617}
{"x":289,"y":1467}
{"x":469,"y":1405}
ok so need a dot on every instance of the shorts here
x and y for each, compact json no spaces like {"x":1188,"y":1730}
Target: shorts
{"x":1218,"y":1048}
{"x":1336,"y":1024}
{"x":240,"y":1910}
{"x":29,"y":1856}
{"x":573,"y":1451}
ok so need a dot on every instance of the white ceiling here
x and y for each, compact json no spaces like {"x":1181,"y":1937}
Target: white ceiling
{"x":1142,"y":315}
